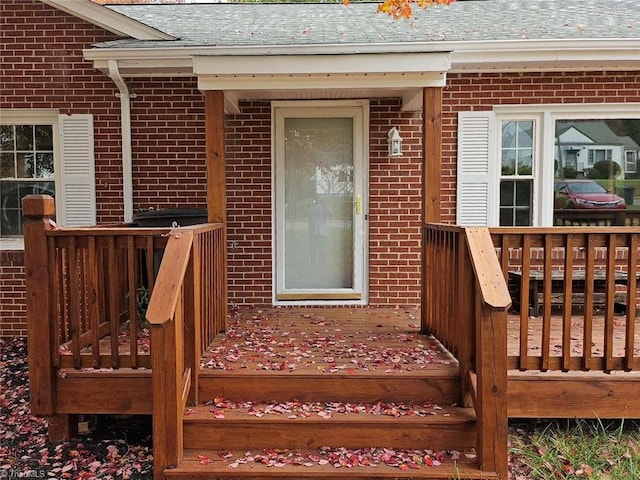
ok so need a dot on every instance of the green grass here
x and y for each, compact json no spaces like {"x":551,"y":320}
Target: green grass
{"x":575,"y":449}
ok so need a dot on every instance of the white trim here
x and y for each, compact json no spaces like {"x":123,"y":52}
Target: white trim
{"x":581,"y":111}
{"x":110,"y":20}
{"x":322,"y":64}
{"x":359,"y":111}
{"x":465,"y":50}
{"x":322,"y":81}
{"x":480,"y":56}
{"x":539,"y":172}
{"x":11,"y":243}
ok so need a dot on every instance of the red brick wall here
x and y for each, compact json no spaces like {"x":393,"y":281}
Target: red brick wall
{"x":38,"y":72}
{"x":168,"y":144}
{"x":12,"y":295}
{"x":167,"y":122}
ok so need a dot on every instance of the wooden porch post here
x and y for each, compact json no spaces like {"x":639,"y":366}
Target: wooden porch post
{"x":216,"y":179}
{"x":38,"y":211}
{"x":431,"y":175}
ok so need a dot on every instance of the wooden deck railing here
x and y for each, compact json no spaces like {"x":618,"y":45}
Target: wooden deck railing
{"x":596,"y":218}
{"x":581,"y":285}
{"x":83,"y":289}
{"x":88,"y":290}
{"x":465,"y":306}
{"x":183,"y":320}
{"x":99,"y":278}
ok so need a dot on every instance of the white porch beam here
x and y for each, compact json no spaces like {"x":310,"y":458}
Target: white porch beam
{"x":321,"y":81}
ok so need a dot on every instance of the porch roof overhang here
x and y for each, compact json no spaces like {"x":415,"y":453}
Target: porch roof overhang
{"x":284,"y":75}
{"x":362,"y":70}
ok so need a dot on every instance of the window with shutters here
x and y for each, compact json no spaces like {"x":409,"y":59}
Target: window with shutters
{"x":514,"y":160}
{"x":42,"y":152}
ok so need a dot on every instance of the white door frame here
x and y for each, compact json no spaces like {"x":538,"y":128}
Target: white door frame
{"x":358,"y":110}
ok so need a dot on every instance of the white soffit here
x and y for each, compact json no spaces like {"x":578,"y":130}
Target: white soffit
{"x":108,"y":19}
{"x":249,"y":72}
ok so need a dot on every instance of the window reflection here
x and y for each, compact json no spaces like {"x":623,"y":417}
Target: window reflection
{"x":595,"y":168}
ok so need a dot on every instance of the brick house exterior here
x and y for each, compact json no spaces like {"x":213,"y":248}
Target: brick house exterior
{"x":43,"y":67}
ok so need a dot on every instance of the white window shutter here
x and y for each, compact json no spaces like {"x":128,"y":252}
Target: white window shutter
{"x":477,"y":182}
{"x":77,"y":192}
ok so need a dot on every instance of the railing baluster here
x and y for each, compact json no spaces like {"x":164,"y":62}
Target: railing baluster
{"x":525,"y":302}
{"x":53,"y":297}
{"x":149,"y":263}
{"x":546,"y":303}
{"x":630,"y":359}
{"x":113,"y":301}
{"x":74,"y":305}
{"x":587,"y":340}
{"x":567,"y":300}
{"x":94,"y":298}
{"x":133,"y":302}
{"x":610,"y":290}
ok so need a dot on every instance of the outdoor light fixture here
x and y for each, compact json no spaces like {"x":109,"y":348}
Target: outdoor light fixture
{"x":395,"y":143}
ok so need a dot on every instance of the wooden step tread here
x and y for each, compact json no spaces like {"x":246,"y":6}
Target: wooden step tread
{"x":195,"y":465}
{"x":438,"y":385}
{"x":239,"y":428}
{"x":340,"y":369}
{"x":332,"y":412}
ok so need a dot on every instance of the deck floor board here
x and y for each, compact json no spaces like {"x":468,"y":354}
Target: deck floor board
{"x":312,"y":340}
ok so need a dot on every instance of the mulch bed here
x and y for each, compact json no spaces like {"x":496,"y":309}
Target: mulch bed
{"x":112,"y":448}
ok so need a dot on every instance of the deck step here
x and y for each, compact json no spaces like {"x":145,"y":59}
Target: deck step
{"x":313,"y":396}
{"x":438,"y":383}
{"x":314,"y":426}
{"x":212,"y":465}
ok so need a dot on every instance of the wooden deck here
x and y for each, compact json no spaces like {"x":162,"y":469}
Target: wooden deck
{"x":83,"y":296}
{"x":325,"y":340}
{"x":334,"y":340}
{"x":371,"y":344}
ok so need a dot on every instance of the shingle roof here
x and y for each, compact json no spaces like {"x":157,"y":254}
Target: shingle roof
{"x":246,"y":25}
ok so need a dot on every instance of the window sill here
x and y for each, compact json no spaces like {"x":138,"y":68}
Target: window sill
{"x":16,"y":243}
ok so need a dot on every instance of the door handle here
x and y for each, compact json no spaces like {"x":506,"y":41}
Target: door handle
{"x":358,"y":204}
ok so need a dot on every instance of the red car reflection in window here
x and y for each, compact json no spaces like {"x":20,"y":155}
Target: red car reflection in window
{"x":581,"y":193}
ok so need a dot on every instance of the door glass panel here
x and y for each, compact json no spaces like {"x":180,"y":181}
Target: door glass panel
{"x":319,"y":203}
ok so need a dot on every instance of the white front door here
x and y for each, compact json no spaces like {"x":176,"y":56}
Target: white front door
{"x":320,"y":202}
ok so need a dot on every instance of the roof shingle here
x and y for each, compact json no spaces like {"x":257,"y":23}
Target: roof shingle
{"x":298,"y":24}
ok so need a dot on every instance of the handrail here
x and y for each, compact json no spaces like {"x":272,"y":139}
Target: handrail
{"x":191,"y":278}
{"x":489,"y":277}
{"x":492,"y":300}
{"x":466,"y":309}
{"x":170,"y":381}
{"x":171,"y":276}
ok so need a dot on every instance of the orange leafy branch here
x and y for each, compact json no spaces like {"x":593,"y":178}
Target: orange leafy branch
{"x":403,"y":8}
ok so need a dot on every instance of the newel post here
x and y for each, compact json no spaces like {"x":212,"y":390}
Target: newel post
{"x":38,"y":211}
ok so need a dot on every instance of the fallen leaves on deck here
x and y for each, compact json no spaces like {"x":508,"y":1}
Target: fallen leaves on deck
{"x":298,"y":409}
{"x":344,"y":458}
{"x":262,"y":342}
